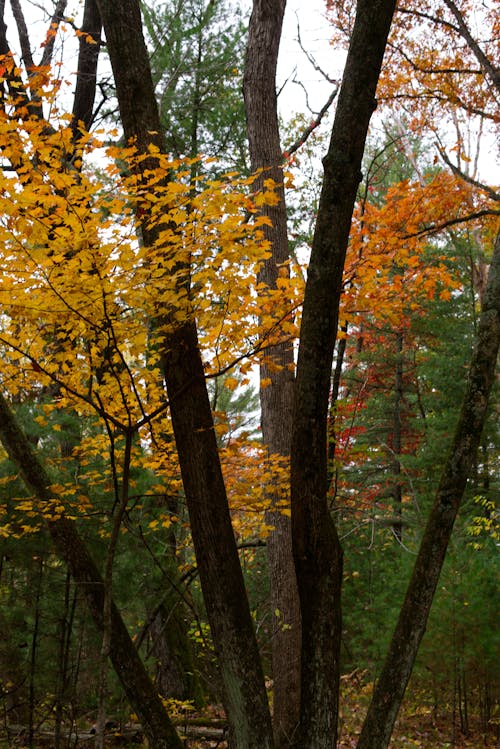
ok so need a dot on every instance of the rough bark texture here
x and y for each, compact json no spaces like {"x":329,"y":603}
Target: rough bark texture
{"x":216,"y":553}
{"x":129,"y":668}
{"x":276,"y":400}
{"x":317,"y":551}
{"x":390,"y":688}
{"x":213,"y":537}
{"x":88,"y":56}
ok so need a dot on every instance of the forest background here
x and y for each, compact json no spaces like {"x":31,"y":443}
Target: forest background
{"x":152,"y":262}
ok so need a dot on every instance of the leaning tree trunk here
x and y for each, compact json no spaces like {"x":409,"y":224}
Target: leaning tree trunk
{"x":138,"y":687}
{"x":410,"y":628}
{"x":276,"y":399}
{"x":317,"y":550}
{"x":213,"y":538}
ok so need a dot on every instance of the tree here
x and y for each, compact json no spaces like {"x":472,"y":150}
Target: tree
{"x":196,"y":48}
{"x":179,"y":240}
{"x":277,"y":366}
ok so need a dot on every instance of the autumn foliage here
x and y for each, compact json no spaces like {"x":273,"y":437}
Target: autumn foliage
{"x":109,"y":250}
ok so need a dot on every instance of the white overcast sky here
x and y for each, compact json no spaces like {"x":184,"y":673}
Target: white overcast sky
{"x":315,"y":34}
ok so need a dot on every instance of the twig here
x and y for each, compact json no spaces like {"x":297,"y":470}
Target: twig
{"x":314,"y":124}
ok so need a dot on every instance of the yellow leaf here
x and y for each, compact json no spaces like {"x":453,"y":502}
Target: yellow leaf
{"x":231,"y":383}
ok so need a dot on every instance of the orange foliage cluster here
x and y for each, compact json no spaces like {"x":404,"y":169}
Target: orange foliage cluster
{"x":388,"y":272}
{"x":429,"y":68}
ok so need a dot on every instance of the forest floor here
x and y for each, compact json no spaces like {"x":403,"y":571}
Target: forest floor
{"x":419,"y":727}
{"x":417,"y":730}
{"x":425,"y":732}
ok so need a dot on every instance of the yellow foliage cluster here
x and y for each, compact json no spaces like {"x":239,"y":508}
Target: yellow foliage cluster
{"x":100,"y":259}
{"x":80,"y":290}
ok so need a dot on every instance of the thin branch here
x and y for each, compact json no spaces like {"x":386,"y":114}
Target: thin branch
{"x":436,"y":228}
{"x":22,"y":31}
{"x":71,"y":391}
{"x":429,"y":17}
{"x":314,"y":124}
{"x":471,"y":181}
{"x":313,"y":62}
{"x":432,"y":71}
{"x":55,"y":22}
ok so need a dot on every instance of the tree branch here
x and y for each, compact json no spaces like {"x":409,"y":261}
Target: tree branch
{"x":129,"y":668}
{"x":435,"y":228}
{"x":463,"y":30}
{"x":459,"y":173}
{"x":314,"y":124}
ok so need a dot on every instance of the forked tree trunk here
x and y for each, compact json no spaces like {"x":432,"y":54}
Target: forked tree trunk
{"x":317,"y":550}
{"x":213,"y":538}
{"x":410,"y":628}
{"x":276,"y":400}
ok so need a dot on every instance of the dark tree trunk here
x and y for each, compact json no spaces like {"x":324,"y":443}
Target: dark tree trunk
{"x":33,"y":653}
{"x":276,"y":400}
{"x":213,"y":537}
{"x":129,"y":668}
{"x":317,"y":550}
{"x":64,"y":640}
{"x":390,"y":688}
{"x":176,"y":673}
{"x":397,"y":428}
{"x":215,"y":547}
{"x":83,"y":105}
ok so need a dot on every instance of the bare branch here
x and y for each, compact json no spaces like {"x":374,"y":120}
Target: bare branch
{"x":312,"y":60}
{"x":22,"y":31}
{"x":55,"y":21}
{"x":436,"y":228}
{"x":470,"y":180}
{"x":429,"y":17}
{"x":314,"y":124}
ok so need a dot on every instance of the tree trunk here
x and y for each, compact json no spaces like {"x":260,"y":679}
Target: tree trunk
{"x":176,"y":672}
{"x":410,"y":628}
{"x":276,"y":400}
{"x":83,"y":105}
{"x":397,"y":429}
{"x":317,"y":550}
{"x":213,"y":538}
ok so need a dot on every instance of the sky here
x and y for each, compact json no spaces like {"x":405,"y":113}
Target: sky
{"x":302,"y":88}
{"x":309,"y":16}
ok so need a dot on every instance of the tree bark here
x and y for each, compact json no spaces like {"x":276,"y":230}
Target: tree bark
{"x":213,"y":538}
{"x":410,"y":628}
{"x":397,"y":430}
{"x":259,"y":89}
{"x":317,"y":550}
{"x":88,"y":56}
{"x":129,"y":668}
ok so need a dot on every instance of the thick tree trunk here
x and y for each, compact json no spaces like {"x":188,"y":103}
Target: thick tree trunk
{"x":129,"y":668}
{"x":215,"y":547}
{"x":259,"y":90}
{"x":390,"y":688}
{"x":318,"y":555}
{"x":216,"y":554}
